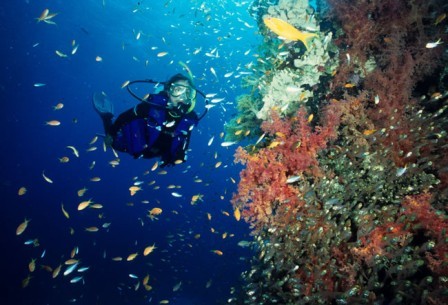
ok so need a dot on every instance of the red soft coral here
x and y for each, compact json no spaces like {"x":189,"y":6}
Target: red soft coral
{"x":263,"y":191}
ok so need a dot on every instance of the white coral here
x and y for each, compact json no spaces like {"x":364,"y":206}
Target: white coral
{"x":289,"y":87}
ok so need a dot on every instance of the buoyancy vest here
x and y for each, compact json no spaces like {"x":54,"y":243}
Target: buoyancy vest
{"x":148,"y":131}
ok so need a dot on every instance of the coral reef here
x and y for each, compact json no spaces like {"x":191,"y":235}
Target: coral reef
{"x":346,"y":194}
{"x":245,"y":123}
{"x":288,"y":88}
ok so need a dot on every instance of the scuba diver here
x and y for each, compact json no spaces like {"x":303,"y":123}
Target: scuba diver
{"x":159,"y":126}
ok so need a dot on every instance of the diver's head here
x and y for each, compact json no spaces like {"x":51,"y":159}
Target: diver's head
{"x":181,"y":93}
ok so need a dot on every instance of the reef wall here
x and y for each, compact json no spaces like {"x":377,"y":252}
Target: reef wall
{"x":346,"y":187}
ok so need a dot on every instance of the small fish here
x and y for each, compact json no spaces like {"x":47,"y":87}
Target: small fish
{"x":154,"y":167}
{"x":64,"y":212}
{"x":81,"y":192}
{"x":84,"y":204}
{"x":237,"y":214}
{"x":217,"y":252}
{"x":58,"y":106}
{"x":71,"y":261}
{"x":310,"y":118}
{"x":134,"y":189}
{"x":70,"y":269}
{"x":228,"y":143}
{"x":43,"y":15}
{"x":440,"y":18}
{"x":76,"y":279}
{"x":400,"y":171}
{"x":169,"y":124}
{"x":293,"y":179}
{"x":177,"y":286}
{"x":22,"y":191}
{"x":133,"y":276}
{"x":56,"y":271}
{"x":214,"y":72}
{"x":155,"y":211}
{"x":148,"y":250}
{"x":46,"y":178}
{"x":74,"y":150}
{"x":98,"y":59}
{"x":92,"y":229}
{"x":132,"y":256}
{"x":125,"y":84}
{"x":368,"y":132}
{"x":37,"y":85}
{"x":60,"y":54}
{"x":210,"y":141}
{"x":161,"y":54}
{"x":431,"y":45}
{"x":260,"y":138}
{"x":216,"y":100}
{"x":32,"y":265}
{"x":83,"y":269}
{"x":175,"y":194}
{"x":75,"y":49}
{"x":377,"y":99}
{"x":53,"y":123}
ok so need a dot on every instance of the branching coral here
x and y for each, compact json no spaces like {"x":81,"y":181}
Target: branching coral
{"x":264,"y":190}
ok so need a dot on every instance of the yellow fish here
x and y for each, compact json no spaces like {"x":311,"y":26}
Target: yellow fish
{"x":22,"y":227}
{"x":149,"y":250}
{"x":287,"y":31}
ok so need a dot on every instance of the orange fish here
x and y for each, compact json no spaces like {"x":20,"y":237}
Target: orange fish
{"x":148,"y":250}
{"x":64,"y":159}
{"x":217,"y":252}
{"x":237,"y":214}
{"x":155,"y":211}
{"x":59,"y":106}
{"x":84,"y":204}
{"x":132,"y":256}
{"x":56,"y":271}
{"x":32,"y":265}
{"x":22,"y":191}
{"x":92,"y":229}
{"x":134,"y":189}
{"x":22,"y":227}
{"x":368,"y":132}
{"x":53,"y":123}
{"x":287,"y":31}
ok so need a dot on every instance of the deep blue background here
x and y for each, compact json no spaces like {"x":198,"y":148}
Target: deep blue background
{"x":29,"y":147}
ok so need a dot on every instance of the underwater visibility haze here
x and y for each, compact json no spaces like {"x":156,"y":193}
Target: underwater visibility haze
{"x":318,"y":174}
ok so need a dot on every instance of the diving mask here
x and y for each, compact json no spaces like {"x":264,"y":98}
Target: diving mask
{"x":177,"y":90}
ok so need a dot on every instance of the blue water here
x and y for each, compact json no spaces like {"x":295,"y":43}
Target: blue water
{"x":109,"y":29}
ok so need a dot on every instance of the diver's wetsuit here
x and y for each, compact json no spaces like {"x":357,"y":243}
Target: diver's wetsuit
{"x":149,"y":130}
